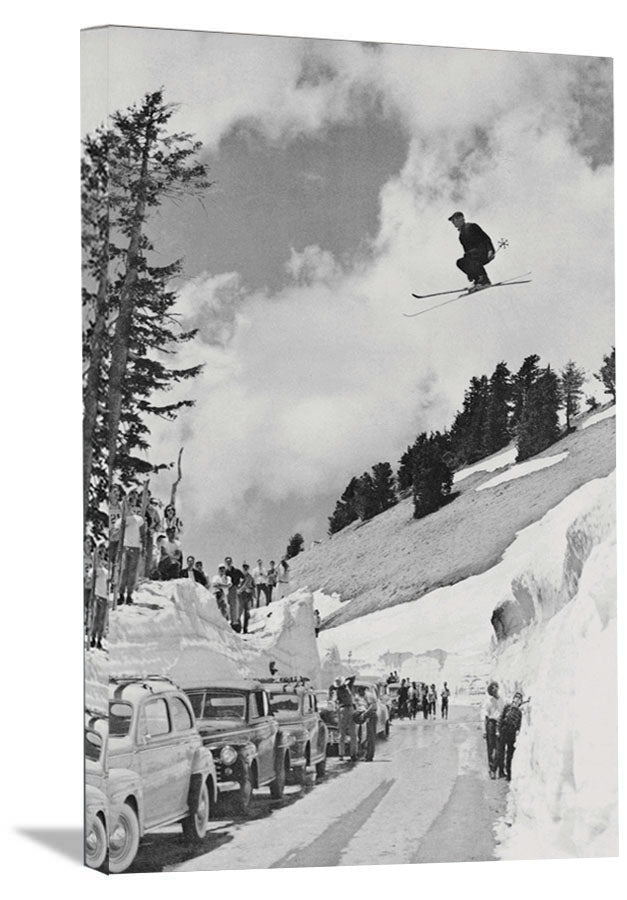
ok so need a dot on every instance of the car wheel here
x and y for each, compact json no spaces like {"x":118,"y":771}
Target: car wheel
{"x":321,"y":768}
{"x":124,"y":840}
{"x":242,"y":799}
{"x":95,"y":843}
{"x":196,"y":824}
{"x":277,"y":787}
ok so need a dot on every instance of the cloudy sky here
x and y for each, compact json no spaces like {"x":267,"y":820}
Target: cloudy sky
{"x":336,"y":166}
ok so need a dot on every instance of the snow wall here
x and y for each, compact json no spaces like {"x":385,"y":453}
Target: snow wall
{"x":174,"y":628}
{"x":557,"y":643}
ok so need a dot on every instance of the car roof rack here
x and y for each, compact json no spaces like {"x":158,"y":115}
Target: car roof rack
{"x":285,"y":679}
{"x":144,"y":680}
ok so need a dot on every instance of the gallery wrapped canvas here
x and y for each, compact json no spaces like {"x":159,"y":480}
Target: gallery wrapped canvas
{"x":348,"y":453}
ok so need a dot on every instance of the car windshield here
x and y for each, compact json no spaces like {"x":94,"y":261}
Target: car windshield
{"x":93,"y":745}
{"x":224,"y":706}
{"x":120,"y":718}
{"x":393,"y":688}
{"x":284,"y":703}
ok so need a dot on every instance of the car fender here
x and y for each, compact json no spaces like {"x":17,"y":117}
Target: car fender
{"x":122,"y":784}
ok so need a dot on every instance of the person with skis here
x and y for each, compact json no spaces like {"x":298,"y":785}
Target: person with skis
{"x":509,"y":726}
{"x":478,"y":251}
{"x":490,"y":717}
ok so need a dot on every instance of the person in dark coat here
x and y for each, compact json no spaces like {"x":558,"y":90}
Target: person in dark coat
{"x":511,"y":719}
{"x":478,"y":251}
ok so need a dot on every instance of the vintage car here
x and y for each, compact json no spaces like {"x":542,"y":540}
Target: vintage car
{"x":96,"y":802}
{"x":239,"y":728}
{"x":159,"y":771}
{"x":360,"y":685}
{"x":295,"y":706}
{"x":327,"y":710}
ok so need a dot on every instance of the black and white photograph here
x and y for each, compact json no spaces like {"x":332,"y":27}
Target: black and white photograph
{"x":349,"y":484}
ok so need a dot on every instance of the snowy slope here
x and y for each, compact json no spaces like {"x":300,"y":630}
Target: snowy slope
{"x":395,"y":559}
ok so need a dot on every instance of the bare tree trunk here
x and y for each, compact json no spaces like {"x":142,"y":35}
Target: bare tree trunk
{"x":178,"y":479}
{"x":121,"y":338}
{"x":96,"y":353}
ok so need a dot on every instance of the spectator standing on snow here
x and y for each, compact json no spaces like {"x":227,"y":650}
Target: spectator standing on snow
{"x":444,"y":698}
{"x":412,"y":695}
{"x":236,"y":576}
{"x":509,"y":726}
{"x":317,"y":622}
{"x":100,"y":601}
{"x":220,"y":586}
{"x":261,"y":584}
{"x":188,"y":571}
{"x":171,"y":559}
{"x":272,"y":577}
{"x":171,"y":520}
{"x":346,"y":707}
{"x":131,"y":550}
{"x":370,"y":721}
{"x":246,"y":595}
{"x":425,"y":700}
{"x":490,"y":717}
{"x":199,"y":573}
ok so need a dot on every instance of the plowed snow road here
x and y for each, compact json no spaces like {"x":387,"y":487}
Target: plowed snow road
{"x":425,"y":798}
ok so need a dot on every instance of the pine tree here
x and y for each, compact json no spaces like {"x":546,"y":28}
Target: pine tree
{"x":130,"y":328}
{"x":366,"y":498}
{"x":538,"y":427}
{"x":607,"y":374}
{"x":345,"y":509}
{"x":496,"y":433}
{"x":467,"y":431}
{"x":150,"y":166}
{"x":405,"y":474}
{"x":295,"y":545}
{"x":433,"y":477}
{"x":571,"y":384}
{"x":522,"y":382}
{"x":383,"y":486}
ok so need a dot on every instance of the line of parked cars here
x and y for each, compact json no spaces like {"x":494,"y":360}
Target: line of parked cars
{"x":165,"y":755}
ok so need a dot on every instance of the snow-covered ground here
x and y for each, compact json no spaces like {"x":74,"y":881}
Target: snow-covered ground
{"x":522,"y":469}
{"x":598,"y":417}
{"x":174,"y":628}
{"x":490,"y":464}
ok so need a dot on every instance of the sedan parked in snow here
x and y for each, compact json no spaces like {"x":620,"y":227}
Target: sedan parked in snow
{"x":295,"y":707}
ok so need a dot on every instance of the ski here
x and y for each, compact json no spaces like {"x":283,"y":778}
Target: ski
{"x":467,"y":290}
{"x":469,"y":293}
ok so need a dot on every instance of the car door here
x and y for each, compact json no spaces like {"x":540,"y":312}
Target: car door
{"x":158,"y":761}
{"x":264,"y":729}
{"x":185,"y":738}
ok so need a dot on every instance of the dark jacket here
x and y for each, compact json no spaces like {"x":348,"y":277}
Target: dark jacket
{"x":511,"y":717}
{"x":472,"y":237}
{"x":343,"y":693}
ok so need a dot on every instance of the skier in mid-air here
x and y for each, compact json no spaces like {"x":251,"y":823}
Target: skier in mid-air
{"x":478,"y":251}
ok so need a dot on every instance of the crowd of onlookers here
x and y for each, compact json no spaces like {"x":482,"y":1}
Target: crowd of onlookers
{"x":145,"y":543}
{"x":414,"y":696}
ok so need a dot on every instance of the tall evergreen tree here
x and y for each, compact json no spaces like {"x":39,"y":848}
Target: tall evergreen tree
{"x":607,"y":374}
{"x":433,"y":477}
{"x":571,"y":385}
{"x":128,"y":170}
{"x":522,"y":382}
{"x":538,"y":426}
{"x":405,"y":473}
{"x":496,"y":433}
{"x":345,"y":509}
{"x":467,"y":430}
{"x":366,"y":499}
{"x":383,"y":486}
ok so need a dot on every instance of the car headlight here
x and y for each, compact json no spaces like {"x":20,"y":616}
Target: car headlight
{"x":228,"y":755}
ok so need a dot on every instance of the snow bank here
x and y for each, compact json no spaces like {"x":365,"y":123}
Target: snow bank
{"x":174,"y":628}
{"x":96,"y":674}
{"x":564,"y":790}
{"x":522,"y":469}
{"x":598,"y":417}
{"x":285,"y":633}
{"x":504,"y":458}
